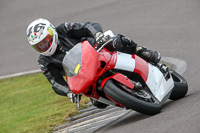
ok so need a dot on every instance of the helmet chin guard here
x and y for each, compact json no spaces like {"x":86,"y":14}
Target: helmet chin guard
{"x":42,"y":36}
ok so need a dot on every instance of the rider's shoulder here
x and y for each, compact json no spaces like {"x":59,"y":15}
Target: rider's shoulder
{"x":60,"y":27}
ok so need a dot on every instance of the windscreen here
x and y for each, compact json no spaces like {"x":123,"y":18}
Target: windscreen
{"x":72,"y":61}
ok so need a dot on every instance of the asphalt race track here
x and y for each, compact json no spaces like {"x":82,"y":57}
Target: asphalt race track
{"x":170,"y":26}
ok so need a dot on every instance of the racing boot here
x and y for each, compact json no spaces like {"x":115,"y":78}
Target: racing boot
{"x":148,"y":55}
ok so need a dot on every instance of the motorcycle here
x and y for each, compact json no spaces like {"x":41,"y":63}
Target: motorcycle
{"x":121,"y":79}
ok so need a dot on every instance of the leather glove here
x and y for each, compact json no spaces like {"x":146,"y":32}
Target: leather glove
{"x":73,"y":97}
{"x":100,"y":38}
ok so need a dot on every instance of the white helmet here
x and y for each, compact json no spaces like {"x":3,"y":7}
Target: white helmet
{"x":42,"y":36}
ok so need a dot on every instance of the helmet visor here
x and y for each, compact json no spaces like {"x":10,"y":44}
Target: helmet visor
{"x":45,"y":44}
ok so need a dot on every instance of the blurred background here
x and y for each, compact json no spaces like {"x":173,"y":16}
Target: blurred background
{"x":171,"y":27}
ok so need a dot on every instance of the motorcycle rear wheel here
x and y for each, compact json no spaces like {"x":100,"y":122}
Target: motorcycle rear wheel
{"x":180,"y":86}
{"x":131,"y":101}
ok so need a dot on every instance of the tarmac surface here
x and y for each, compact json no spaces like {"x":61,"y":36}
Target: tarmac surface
{"x":171,"y":27}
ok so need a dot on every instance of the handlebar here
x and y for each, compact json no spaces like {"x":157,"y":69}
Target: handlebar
{"x":99,"y":49}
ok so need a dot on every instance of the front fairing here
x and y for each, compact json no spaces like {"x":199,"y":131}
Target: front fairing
{"x":80,"y":65}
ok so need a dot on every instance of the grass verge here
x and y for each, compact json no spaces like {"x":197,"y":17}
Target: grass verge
{"x":29,"y":105}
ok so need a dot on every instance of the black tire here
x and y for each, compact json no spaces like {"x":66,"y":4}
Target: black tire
{"x":130,"y":101}
{"x":180,"y":86}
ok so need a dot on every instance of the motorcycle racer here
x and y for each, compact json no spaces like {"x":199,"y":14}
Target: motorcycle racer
{"x":53,"y":42}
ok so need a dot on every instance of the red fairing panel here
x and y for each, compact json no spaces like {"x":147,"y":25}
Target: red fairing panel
{"x":80,"y":82}
{"x":141,"y":67}
{"x":121,"y":79}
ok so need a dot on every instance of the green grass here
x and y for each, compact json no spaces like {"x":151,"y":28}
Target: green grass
{"x":29,"y":105}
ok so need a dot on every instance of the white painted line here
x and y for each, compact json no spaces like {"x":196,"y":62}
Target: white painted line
{"x":178,"y":65}
{"x":20,"y":74}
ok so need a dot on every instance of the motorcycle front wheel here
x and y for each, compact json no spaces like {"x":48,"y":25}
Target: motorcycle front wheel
{"x":140,"y":101}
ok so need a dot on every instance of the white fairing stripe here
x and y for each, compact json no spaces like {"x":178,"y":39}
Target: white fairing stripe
{"x":125,"y":62}
{"x":158,"y":84}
